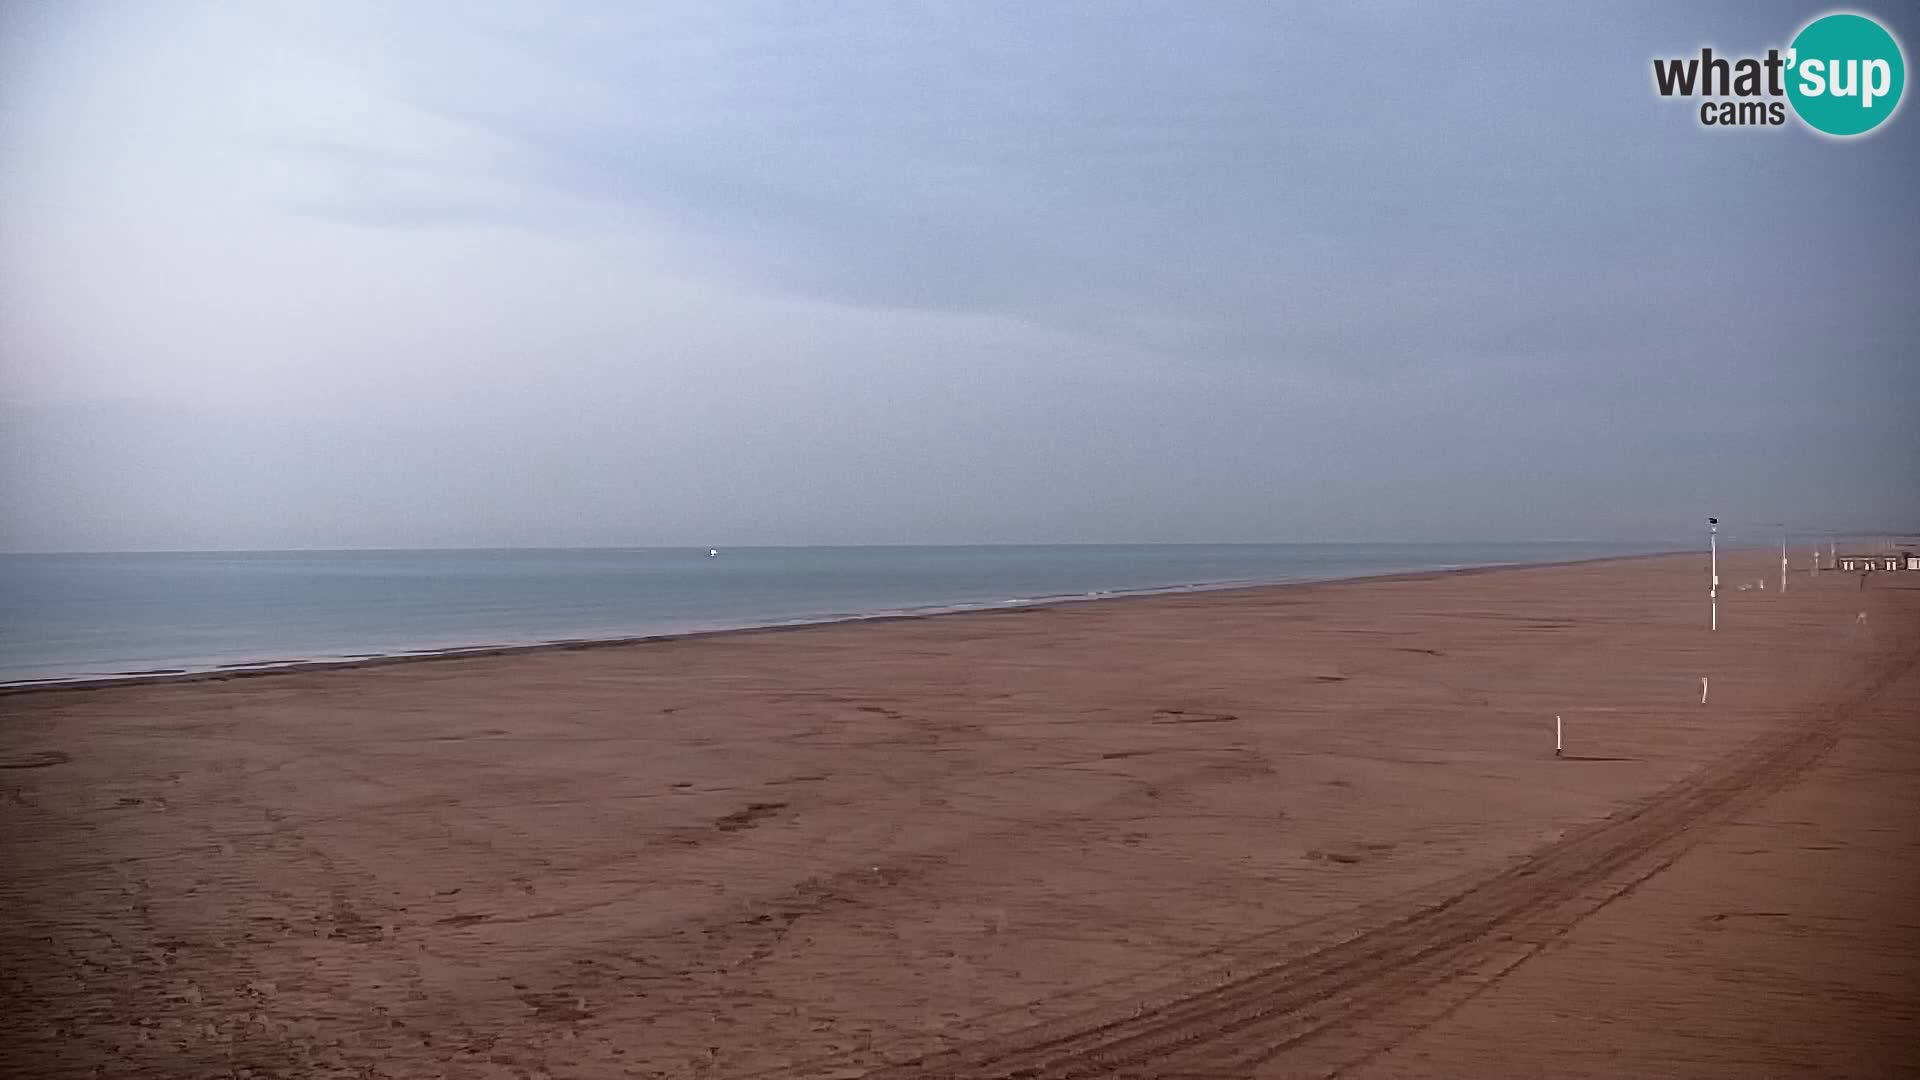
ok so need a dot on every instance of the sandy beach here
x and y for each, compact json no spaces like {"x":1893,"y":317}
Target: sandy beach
{"x":1283,"y":831}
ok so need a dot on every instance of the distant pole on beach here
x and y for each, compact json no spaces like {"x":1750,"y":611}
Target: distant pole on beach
{"x":1713,"y":570}
{"x":1783,"y":560}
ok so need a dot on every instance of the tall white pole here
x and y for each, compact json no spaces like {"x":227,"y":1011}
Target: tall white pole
{"x":1713,"y":565}
{"x":1783,"y":562}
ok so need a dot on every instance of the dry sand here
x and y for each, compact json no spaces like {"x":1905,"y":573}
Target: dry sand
{"x":1273,"y":832}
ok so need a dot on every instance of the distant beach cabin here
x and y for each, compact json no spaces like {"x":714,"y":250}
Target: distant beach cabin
{"x":1912,"y":560}
{"x":1880,"y":562}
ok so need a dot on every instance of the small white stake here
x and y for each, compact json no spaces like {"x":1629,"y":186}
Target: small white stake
{"x":1556,"y":736}
{"x":1703,"y":689}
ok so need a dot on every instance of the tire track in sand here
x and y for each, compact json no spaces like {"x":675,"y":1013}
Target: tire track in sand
{"x":1316,"y":1013}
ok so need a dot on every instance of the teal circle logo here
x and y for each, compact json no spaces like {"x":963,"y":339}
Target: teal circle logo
{"x":1845,"y":74}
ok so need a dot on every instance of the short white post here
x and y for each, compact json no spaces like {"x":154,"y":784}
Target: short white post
{"x":1703,"y":689}
{"x":1556,"y":736}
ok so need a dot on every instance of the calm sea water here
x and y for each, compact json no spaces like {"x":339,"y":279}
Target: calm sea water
{"x":97,"y":615}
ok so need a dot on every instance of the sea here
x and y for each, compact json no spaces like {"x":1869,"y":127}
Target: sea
{"x":94,"y":616}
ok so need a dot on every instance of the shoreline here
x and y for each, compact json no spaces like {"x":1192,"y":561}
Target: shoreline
{"x":298,"y":666}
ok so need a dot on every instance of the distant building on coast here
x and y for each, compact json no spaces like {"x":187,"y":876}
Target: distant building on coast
{"x":1904,"y":560}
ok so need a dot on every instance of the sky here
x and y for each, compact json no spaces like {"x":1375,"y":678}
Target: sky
{"x":356,"y":274}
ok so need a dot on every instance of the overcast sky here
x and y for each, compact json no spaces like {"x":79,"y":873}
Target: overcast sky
{"x":476,"y":274}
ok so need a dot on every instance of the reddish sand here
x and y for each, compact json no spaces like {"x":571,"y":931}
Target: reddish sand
{"x":1274,"y":832}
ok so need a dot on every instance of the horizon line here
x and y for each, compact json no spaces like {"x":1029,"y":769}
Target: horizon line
{"x":1346,"y":542}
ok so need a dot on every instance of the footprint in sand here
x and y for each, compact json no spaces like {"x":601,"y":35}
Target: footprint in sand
{"x":39,"y":759}
{"x":1348,"y":854}
{"x":748,"y":816}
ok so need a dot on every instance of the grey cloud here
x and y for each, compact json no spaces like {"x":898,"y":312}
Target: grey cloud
{"x":1005,"y":272}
